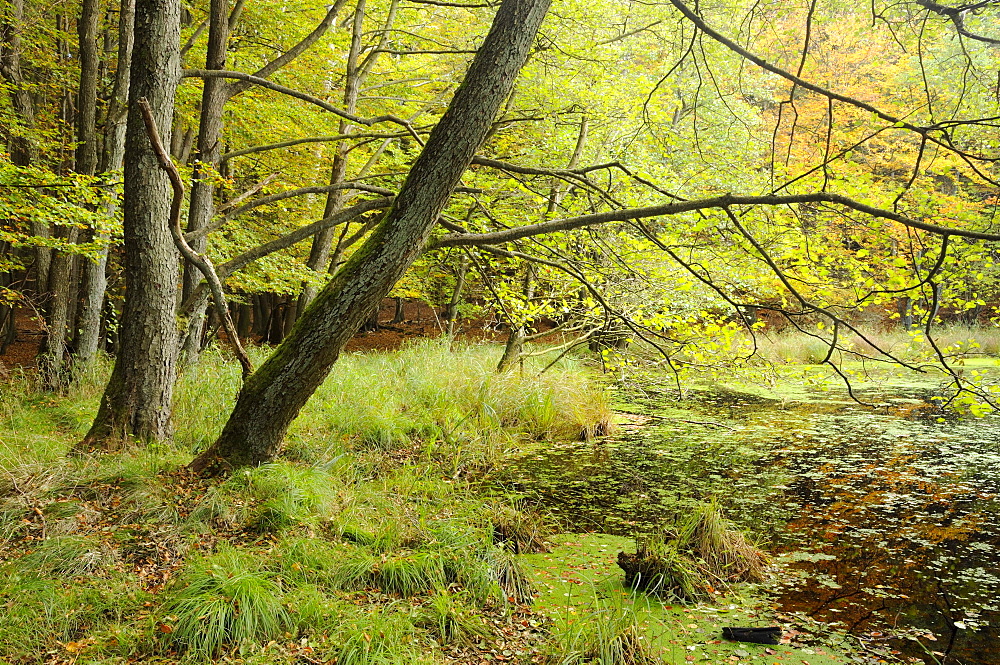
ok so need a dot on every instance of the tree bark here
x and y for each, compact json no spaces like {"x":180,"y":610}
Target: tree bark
{"x":273,"y":396}
{"x":86,"y":101}
{"x":137,"y":400}
{"x":213,"y":100}
{"x":94,"y":272}
{"x":319,"y":253}
{"x":53,"y":359}
{"x":215,"y":94}
{"x":451,"y":314}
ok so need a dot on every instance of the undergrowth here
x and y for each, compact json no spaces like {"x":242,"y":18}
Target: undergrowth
{"x":366,"y":543}
{"x":688,"y":560}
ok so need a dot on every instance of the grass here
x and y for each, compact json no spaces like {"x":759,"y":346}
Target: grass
{"x":608,"y":634}
{"x":224,"y":599}
{"x":365,"y":543}
{"x":370,"y":541}
{"x":689,"y":560}
{"x":954,"y":341}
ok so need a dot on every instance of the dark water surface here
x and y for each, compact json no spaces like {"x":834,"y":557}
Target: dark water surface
{"x":888,"y":517}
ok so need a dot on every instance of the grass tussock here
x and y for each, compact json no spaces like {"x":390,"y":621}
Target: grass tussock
{"x":519,"y":529}
{"x":224,"y":599}
{"x":608,"y":635}
{"x":703,"y":551}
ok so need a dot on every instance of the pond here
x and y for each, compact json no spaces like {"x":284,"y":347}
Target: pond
{"x":885,"y":518}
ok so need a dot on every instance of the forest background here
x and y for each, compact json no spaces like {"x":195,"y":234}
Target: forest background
{"x":685,"y":177}
{"x":645,"y":177}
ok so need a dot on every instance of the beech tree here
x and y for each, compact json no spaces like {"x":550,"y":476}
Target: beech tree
{"x":139,"y":397}
{"x":638,"y":227}
{"x":273,"y":396}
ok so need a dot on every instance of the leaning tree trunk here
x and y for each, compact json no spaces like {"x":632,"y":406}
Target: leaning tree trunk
{"x":273,"y":396}
{"x":137,"y":401}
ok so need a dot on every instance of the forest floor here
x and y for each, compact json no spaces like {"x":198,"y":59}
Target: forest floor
{"x":377,"y":538}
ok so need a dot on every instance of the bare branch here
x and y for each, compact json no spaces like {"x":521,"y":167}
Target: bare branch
{"x":724,"y":201}
{"x":203,"y":263}
{"x":957,"y":16}
{"x":264,"y":83}
{"x":301,"y":233}
{"x":292,"y":53}
{"x":310,"y":139}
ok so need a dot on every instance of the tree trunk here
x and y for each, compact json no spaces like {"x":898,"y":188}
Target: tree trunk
{"x":53,"y":360}
{"x":319,"y":253}
{"x":86,"y":102}
{"x":23,"y":146}
{"x":904,"y":307}
{"x":61,"y":289}
{"x":512,"y":350}
{"x":370,"y":323}
{"x":243,"y":320}
{"x":274,"y":394}
{"x":398,"y":316}
{"x":213,"y":100}
{"x":518,"y":329}
{"x":8,"y":331}
{"x":94,"y":272}
{"x":137,"y":401}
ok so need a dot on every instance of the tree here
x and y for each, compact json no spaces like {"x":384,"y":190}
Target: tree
{"x":672,"y":203}
{"x":138,"y":399}
{"x":272,"y":397}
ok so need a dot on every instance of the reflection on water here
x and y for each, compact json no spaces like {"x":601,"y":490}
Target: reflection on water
{"x":890,"y":514}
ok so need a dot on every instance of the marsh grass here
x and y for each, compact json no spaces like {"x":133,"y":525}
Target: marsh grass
{"x":43,"y":614}
{"x":519,"y":528}
{"x":449,"y":397}
{"x":270,"y":498}
{"x":955,"y":341}
{"x":385,"y":636}
{"x":452,"y":619}
{"x":703,"y":550}
{"x":724,"y":551}
{"x":367,"y":539}
{"x":608,"y":634}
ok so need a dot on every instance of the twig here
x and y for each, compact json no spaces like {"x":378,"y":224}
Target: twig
{"x":203,"y":263}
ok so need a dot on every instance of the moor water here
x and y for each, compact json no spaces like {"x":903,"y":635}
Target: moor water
{"x":887,"y":517}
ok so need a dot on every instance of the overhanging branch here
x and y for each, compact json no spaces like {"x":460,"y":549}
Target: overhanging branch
{"x":724,"y":201}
